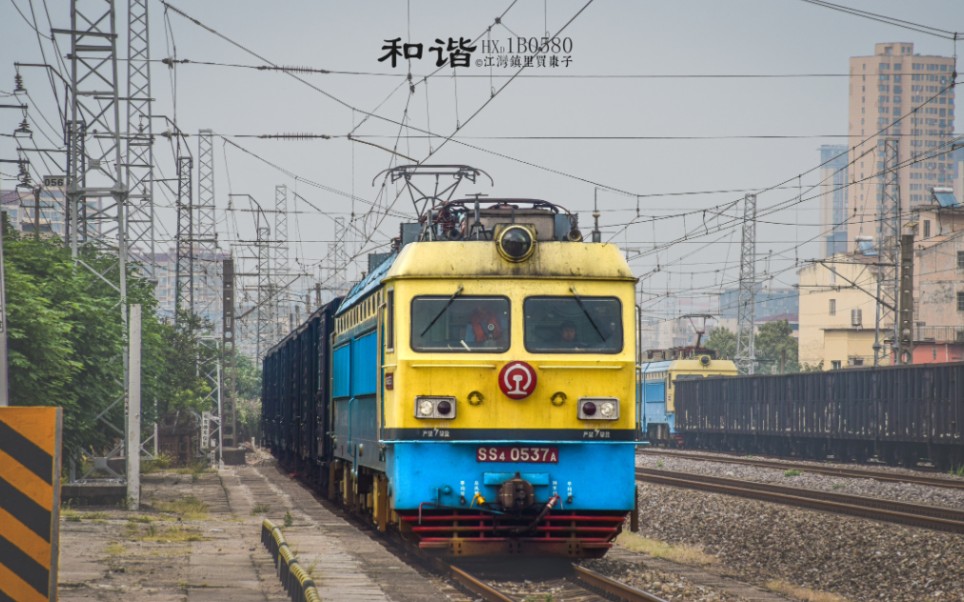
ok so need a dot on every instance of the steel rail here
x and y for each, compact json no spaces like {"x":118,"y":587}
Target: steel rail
{"x":611,"y":588}
{"x":477,"y":586}
{"x":931,"y":517}
{"x":826,"y":470}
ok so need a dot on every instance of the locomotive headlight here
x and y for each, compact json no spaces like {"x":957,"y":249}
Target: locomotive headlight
{"x":435,"y":407}
{"x":516,"y":243}
{"x":598,"y":408}
{"x":425,"y":408}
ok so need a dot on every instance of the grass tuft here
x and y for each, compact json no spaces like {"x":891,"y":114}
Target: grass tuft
{"x":793,"y":472}
{"x":162,"y":533}
{"x":187,"y":507}
{"x":159,"y":462}
{"x":115,"y":549}
{"x":682,"y":554}
{"x":802,"y":593}
{"x":260,"y":508}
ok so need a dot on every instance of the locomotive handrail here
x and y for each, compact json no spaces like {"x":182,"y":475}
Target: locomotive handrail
{"x":581,"y":367}
{"x":484,"y":366}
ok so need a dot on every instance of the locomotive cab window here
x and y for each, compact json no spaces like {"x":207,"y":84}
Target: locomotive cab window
{"x":573,"y":324}
{"x":460,"y":324}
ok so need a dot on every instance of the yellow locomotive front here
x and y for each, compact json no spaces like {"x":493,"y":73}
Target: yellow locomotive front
{"x":507,"y":408}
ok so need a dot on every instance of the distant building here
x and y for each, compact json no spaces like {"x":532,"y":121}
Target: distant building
{"x":896,"y":93}
{"x":939,"y":279}
{"x":838,"y":296}
{"x":833,"y":197}
{"x":837,"y":311}
{"x":21,"y":208}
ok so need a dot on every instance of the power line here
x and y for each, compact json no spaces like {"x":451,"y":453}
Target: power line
{"x":924,"y":29}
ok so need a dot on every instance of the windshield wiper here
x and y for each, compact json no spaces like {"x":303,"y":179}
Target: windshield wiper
{"x":572,"y":289}
{"x":457,"y":292}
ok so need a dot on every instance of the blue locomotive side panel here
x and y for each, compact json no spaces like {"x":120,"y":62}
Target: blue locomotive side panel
{"x":653,"y":404}
{"x":341,"y":372}
{"x":364,"y":363}
{"x":355,"y":420}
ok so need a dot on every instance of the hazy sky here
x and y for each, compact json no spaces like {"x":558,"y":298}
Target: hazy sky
{"x":567,"y":134}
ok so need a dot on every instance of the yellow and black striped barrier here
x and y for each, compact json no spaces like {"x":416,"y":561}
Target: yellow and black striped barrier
{"x":29,"y":502}
{"x":296,"y":581}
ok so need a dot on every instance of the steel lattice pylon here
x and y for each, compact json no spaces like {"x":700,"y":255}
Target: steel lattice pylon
{"x":336,"y":279}
{"x":207,"y":290}
{"x":746,"y":309}
{"x":280,"y":259}
{"x":184,"y":266}
{"x":266,"y":314}
{"x":75,"y":212}
{"x":140,"y":140}
{"x":888,"y":246}
{"x":96,"y":189}
{"x":207,"y":268}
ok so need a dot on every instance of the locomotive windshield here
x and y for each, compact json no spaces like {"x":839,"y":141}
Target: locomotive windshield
{"x":573,"y":324}
{"x":460,"y":324}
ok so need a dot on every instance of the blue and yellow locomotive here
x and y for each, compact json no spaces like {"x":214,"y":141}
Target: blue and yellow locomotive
{"x":476,"y":390}
{"x":655,"y":391}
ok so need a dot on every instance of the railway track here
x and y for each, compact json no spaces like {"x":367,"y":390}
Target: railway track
{"x":931,"y":517}
{"x":581,"y":584}
{"x":858,"y":473}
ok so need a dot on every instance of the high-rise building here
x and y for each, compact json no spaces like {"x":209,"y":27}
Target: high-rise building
{"x":833,"y":197}
{"x":898,"y":94}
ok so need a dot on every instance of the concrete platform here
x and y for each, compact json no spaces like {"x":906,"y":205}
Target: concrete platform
{"x":184,"y":543}
{"x":197,"y":537}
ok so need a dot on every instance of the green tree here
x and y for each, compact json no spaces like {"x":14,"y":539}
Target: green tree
{"x":247,"y":377}
{"x":247,"y":384}
{"x":776,"y":348}
{"x":722,"y":341}
{"x":65,"y":336}
{"x":66,"y":341}
{"x":179,"y":384}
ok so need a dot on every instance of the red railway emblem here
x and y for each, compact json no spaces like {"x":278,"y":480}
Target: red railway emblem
{"x":517,"y":380}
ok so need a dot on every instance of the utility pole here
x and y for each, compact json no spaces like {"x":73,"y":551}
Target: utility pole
{"x":133,"y":438}
{"x":228,"y":390}
{"x":905,"y":349}
{"x":4,"y":373}
{"x":746,"y":310}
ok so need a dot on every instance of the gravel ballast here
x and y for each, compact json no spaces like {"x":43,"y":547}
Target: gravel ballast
{"x":856,"y":558}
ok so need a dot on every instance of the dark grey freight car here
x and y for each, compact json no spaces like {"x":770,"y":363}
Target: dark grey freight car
{"x":295,"y":398}
{"x":900,"y":414}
